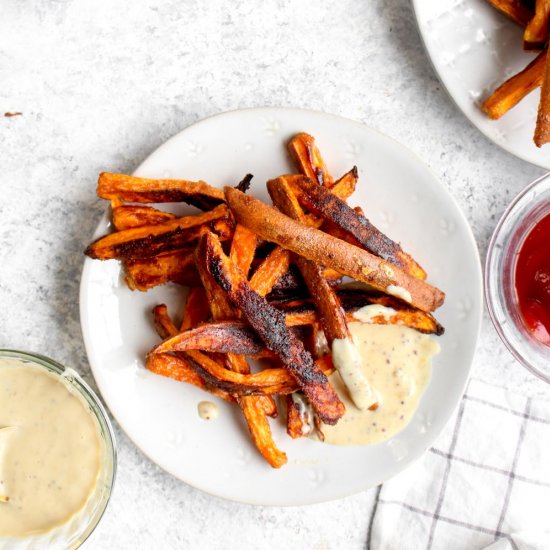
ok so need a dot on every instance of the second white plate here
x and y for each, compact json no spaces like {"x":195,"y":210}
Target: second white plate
{"x":474,"y":49}
{"x":400,"y":195}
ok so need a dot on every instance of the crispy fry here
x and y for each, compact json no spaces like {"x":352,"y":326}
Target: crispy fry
{"x":270,"y":326}
{"x":511,"y":92}
{"x":345,"y":186}
{"x":144,"y":190}
{"x":128,"y":216}
{"x":177,"y":266}
{"x":273,"y":226}
{"x":178,"y":369}
{"x":243,"y":248}
{"x":298,"y":421}
{"x":270,"y":271}
{"x":535,"y":35}
{"x":151,"y":240}
{"x":308,"y":159}
{"x":324,"y":204}
{"x":514,"y":9}
{"x":542,"y":128}
{"x":196,"y":309}
{"x":164,"y":325}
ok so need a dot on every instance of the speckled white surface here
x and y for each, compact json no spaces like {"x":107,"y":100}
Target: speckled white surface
{"x":101,"y":84}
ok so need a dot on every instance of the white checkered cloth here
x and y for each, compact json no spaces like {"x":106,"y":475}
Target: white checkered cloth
{"x":485,"y":484}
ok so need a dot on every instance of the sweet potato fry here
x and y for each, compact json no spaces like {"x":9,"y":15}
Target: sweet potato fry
{"x":177,"y":266}
{"x":514,"y":9}
{"x":345,"y":186}
{"x":299,"y":419}
{"x":145,"y":190}
{"x":308,"y":159}
{"x":535,"y":35}
{"x":151,"y":240}
{"x":243,"y":248}
{"x":542,"y":128}
{"x":196,"y":309}
{"x":270,"y":271}
{"x":511,"y":92}
{"x":324,"y":204}
{"x":128,"y":216}
{"x":164,"y":325}
{"x":270,"y":326}
{"x":273,"y":226}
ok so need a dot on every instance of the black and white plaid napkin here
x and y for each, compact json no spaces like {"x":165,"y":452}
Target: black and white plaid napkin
{"x":486,"y":482}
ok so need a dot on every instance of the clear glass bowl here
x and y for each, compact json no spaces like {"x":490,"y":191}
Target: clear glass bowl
{"x":73,"y":533}
{"x":526,"y":210}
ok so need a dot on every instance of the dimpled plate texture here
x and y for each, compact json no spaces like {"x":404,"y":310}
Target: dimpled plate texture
{"x":400,"y":195}
{"x":474,"y":49}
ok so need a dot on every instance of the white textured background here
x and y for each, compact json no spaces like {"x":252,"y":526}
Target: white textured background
{"x":103,"y":83}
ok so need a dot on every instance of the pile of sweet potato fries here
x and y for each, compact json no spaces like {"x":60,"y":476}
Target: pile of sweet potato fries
{"x":534,"y":18}
{"x":264,"y":283}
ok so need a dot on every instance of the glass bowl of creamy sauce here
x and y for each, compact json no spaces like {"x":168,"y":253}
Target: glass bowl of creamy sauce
{"x":517,"y":278}
{"x":57,"y":454}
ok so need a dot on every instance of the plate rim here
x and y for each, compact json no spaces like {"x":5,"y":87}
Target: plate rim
{"x":477,"y":318}
{"x":456,"y":102}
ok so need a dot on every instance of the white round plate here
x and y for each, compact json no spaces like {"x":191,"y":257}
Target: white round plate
{"x":400,"y":195}
{"x":474,"y":49}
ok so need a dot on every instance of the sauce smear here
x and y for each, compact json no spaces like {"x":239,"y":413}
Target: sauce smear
{"x":533,"y":281}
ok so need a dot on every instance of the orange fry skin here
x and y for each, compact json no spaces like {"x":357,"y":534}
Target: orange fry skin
{"x":127,"y":216}
{"x":535,"y":35}
{"x":270,"y":271}
{"x":196,"y":309}
{"x":308,"y":159}
{"x":542,"y":128}
{"x":511,"y":92}
{"x":514,"y":9}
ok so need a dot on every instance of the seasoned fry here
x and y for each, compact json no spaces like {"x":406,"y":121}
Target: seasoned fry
{"x":243,"y":247}
{"x":324,"y":204}
{"x":298,"y":420}
{"x":196,"y":309}
{"x":514,"y":9}
{"x":308,"y":159}
{"x":145,"y":190}
{"x":151,"y":240}
{"x":270,"y":271}
{"x":164,"y":325}
{"x":273,"y":226}
{"x":345,"y":186}
{"x":535,"y":35}
{"x":542,"y":128}
{"x":510,"y":93}
{"x":270,"y":326}
{"x":177,"y":266}
{"x":128,"y":216}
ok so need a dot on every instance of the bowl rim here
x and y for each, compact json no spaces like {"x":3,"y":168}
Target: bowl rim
{"x":489,"y":277}
{"x":76,"y":382}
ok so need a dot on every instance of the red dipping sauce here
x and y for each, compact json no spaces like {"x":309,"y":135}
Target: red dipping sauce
{"x":533,"y":281}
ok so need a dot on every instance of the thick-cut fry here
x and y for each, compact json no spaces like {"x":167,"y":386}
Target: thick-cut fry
{"x":514,"y":9}
{"x":270,"y":271}
{"x":164,"y":325}
{"x":535,"y":35}
{"x":243,"y":247}
{"x":128,"y":216}
{"x":542,"y":128}
{"x":270,"y":326}
{"x":273,"y":226}
{"x":177,"y":266}
{"x":196,"y":309}
{"x":324,"y":204}
{"x":308,"y":159}
{"x":145,"y":190}
{"x":151,"y":240}
{"x":507,"y":95}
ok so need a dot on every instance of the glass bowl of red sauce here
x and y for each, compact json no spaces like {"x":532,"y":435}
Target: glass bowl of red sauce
{"x":517,"y":278}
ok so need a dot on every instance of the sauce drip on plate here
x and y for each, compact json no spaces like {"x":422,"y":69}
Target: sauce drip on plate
{"x":533,"y":281}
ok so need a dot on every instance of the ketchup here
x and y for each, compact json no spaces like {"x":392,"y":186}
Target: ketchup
{"x":533,"y":281}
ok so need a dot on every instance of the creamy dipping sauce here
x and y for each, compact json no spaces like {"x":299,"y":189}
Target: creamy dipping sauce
{"x":208,"y":410}
{"x":49,"y":450}
{"x":397,"y":363}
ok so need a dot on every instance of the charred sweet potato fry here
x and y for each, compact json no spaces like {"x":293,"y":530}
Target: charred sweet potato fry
{"x":324,"y":204}
{"x":510,"y":93}
{"x":164,"y":325}
{"x":145,"y":190}
{"x":270,"y":326}
{"x":271,"y":225}
{"x":514,"y":9}
{"x":128,"y":216}
{"x":196,"y":308}
{"x":308,"y":159}
{"x":345,"y":186}
{"x":298,"y":423}
{"x":535,"y":35}
{"x":270,"y":271}
{"x":542,"y":128}
{"x":151,"y":240}
{"x":177,"y":266}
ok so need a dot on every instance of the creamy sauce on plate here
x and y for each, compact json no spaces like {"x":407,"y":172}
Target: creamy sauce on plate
{"x":49,"y":450}
{"x":397,"y":363}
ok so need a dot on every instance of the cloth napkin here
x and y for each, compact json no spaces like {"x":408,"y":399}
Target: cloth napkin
{"x":485,"y":484}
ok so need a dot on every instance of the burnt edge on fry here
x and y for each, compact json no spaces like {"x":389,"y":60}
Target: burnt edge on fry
{"x":244,"y":184}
